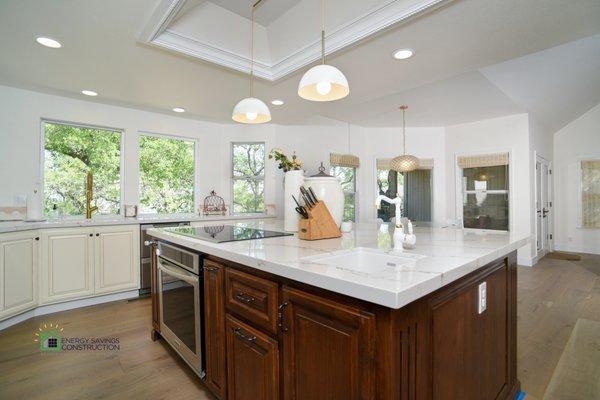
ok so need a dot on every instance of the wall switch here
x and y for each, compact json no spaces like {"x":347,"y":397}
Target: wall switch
{"x":482,"y":298}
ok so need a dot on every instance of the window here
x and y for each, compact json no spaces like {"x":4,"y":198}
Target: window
{"x":414,"y":187}
{"x":70,"y":152}
{"x":485,"y":191}
{"x":347,"y":176}
{"x":590,"y":194}
{"x":248,"y":177}
{"x":166,"y":175}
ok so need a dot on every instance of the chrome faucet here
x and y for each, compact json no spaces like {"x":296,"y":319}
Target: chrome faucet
{"x":399,"y":228}
{"x":89,"y":194}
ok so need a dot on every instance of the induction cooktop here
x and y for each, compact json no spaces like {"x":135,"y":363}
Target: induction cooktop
{"x":225,"y":233}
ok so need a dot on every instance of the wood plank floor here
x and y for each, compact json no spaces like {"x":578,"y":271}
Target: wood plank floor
{"x":552,"y":296}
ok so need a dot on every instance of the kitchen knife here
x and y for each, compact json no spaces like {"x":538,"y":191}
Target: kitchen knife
{"x":312,"y":193}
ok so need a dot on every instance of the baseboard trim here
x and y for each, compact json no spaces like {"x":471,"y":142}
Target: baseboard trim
{"x":525,"y":261}
{"x":68,"y":305}
{"x":576,"y":249}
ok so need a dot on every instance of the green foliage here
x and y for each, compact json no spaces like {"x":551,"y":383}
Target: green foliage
{"x":285,"y":163}
{"x":72,"y":151}
{"x":166,"y":175}
{"x":248,"y":177}
{"x":348,"y":181}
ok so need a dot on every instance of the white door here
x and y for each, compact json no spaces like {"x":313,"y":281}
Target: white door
{"x":117,"y":258}
{"x":18,"y":272}
{"x":67,"y":264}
{"x":543,"y":202}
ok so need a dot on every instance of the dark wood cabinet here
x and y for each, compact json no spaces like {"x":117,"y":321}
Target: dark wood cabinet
{"x":252,"y":363}
{"x":214,"y":327}
{"x":328,"y":348}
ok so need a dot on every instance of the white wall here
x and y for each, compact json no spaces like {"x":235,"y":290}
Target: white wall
{"x":506,"y":134}
{"x":373,"y":143}
{"x":578,"y":140}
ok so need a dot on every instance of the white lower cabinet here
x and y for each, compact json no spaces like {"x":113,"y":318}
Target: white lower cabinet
{"x":117,"y":258}
{"x":18,"y":272}
{"x":67,"y":264}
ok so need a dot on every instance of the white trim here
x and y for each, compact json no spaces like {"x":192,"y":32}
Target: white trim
{"x":526,"y":261}
{"x":375,"y":20}
{"x":69,"y":305}
{"x":549,"y":199}
{"x":42,"y":160}
{"x":577,"y":248}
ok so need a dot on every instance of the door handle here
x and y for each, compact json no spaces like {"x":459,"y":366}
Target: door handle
{"x":281,"y":317}
{"x":243,"y":335}
{"x":545,"y":212}
{"x":245,"y":298}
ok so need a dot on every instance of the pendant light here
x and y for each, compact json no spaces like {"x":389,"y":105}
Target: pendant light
{"x":323,"y":82}
{"x":405,"y":162}
{"x":251,"y":110}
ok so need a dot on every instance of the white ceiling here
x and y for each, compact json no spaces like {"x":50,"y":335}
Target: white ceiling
{"x":467,"y":63}
{"x":267,"y":12}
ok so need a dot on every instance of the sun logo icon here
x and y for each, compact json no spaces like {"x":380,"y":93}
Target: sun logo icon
{"x":49,"y":336}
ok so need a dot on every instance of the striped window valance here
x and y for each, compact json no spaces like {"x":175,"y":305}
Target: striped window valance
{"x":483,"y":160}
{"x":343,"y":160}
{"x":590,"y":194}
{"x":424,"y":163}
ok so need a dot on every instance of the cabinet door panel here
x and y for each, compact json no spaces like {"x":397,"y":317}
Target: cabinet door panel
{"x":67,"y":264}
{"x":214,"y":323}
{"x":328,"y":349}
{"x":252,"y":363}
{"x":18,"y":272}
{"x":117,"y":258}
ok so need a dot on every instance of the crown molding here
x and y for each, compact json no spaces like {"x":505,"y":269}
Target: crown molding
{"x":358,"y":29}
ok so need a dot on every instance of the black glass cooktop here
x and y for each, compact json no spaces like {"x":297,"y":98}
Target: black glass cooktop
{"x":225,"y":233}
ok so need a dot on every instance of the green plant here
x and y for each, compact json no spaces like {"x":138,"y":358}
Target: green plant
{"x":284,"y":162}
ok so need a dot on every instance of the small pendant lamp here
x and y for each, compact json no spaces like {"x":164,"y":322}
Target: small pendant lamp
{"x":251,"y":110}
{"x":323,"y":82}
{"x":405,"y":162}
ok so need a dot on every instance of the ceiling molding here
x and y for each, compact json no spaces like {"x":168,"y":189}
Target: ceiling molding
{"x":368,"y":24}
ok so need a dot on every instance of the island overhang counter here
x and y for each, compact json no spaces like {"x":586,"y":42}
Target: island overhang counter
{"x":281,"y":323}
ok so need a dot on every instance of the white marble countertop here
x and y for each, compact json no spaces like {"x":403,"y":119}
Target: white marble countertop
{"x":450,"y":254}
{"x":16,"y":226}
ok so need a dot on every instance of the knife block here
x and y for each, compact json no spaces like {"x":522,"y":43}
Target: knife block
{"x":318,"y":225}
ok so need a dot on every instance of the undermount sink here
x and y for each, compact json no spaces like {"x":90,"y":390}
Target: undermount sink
{"x":366,"y":259}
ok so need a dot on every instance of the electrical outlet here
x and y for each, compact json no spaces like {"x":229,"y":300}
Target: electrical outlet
{"x":482,"y":298}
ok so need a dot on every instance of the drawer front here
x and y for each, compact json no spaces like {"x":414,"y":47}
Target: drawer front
{"x":254,"y":299}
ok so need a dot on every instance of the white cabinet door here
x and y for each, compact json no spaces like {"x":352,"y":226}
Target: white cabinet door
{"x":117,"y":251}
{"x":18,"y":272}
{"x":67,"y":264}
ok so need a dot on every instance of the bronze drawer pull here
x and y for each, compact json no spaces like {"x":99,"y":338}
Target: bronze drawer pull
{"x":210,"y":269}
{"x":280,"y":317}
{"x":243,"y":297}
{"x":243,"y":335}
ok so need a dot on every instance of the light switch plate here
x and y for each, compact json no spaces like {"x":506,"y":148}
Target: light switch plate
{"x":482,"y":298}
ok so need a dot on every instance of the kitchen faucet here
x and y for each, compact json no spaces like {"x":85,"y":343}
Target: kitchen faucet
{"x":399,"y":228}
{"x":89,"y":193}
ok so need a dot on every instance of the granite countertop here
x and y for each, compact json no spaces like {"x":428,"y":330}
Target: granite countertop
{"x":16,"y":226}
{"x":450,"y":254}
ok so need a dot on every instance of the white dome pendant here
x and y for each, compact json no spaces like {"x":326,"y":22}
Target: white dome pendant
{"x":251,"y":110}
{"x":323,"y":82}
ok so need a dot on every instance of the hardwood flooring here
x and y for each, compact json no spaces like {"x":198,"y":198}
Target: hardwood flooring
{"x":552,"y":297}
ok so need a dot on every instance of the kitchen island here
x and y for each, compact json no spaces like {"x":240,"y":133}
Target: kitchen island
{"x":346,"y":319}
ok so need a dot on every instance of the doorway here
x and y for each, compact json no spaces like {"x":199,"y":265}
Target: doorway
{"x":543,"y":205}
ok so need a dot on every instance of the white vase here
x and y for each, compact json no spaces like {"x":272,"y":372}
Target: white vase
{"x":291,"y":183}
{"x":329,"y":189}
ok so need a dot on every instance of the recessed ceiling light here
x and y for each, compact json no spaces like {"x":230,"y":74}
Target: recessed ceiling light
{"x":277,"y":102}
{"x":89,"y":93}
{"x":403,"y":54}
{"x":49,"y":42}
{"x":179,"y":109}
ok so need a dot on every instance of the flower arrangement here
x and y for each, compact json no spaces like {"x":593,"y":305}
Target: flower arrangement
{"x":284,"y":162}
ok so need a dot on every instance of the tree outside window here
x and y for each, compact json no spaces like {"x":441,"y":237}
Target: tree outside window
{"x":347,"y":177}
{"x":248,"y":177}
{"x":166,"y":175}
{"x":70,"y":152}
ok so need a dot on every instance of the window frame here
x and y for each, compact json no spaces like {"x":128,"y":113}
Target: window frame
{"x":458,"y":176}
{"x":246,"y":178}
{"x":580,"y":160}
{"x":42,"y":159}
{"x":196,"y":154}
{"x":354,"y":186}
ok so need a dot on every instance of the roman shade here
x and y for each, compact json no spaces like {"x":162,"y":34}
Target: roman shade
{"x":343,"y":160}
{"x":590,"y":194}
{"x":483,"y":160}
{"x":385,"y":163}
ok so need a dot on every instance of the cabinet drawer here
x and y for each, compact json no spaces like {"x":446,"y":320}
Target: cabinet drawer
{"x":252,"y":298}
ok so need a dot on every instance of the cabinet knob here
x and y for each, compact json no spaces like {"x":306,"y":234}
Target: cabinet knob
{"x":97,"y":234}
{"x":91,"y":234}
{"x":37,"y":238}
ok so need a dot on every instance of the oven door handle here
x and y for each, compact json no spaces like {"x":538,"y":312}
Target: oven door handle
{"x":177,"y":272}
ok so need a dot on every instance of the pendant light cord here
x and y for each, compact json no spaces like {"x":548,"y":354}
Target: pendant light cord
{"x":403,"y":108}
{"x":323,"y":32}
{"x":252,"y":53}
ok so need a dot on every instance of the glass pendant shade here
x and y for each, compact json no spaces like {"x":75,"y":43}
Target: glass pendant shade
{"x":404,"y":163}
{"x":323,"y":83}
{"x":251,"y":111}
